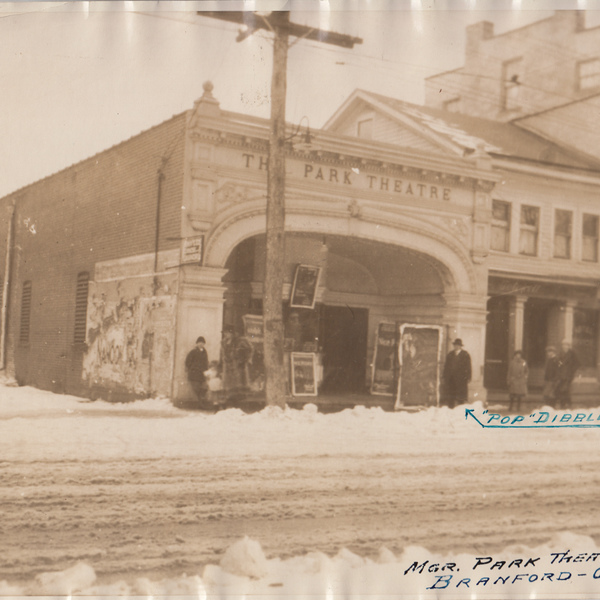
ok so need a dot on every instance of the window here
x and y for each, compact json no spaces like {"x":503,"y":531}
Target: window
{"x":365,"y":129}
{"x":81,"y":297}
{"x":589,"y":250}
{"x":500,"y":225}
{"x":563,"y":220}
{"x":528,"y":236}
{"x":512,"y":73}
{"x":588,"y":74}
{"x":25,"y":312}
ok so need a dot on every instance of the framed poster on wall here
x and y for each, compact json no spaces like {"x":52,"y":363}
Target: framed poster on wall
{"x":304,"y":374}
{"x":419,"y":356}
{"x":304,"y":288}
{"x":385,"y":367}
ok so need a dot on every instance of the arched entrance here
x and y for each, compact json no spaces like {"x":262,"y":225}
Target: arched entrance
{"x":388,"y":271}
{"x":362,"y":284}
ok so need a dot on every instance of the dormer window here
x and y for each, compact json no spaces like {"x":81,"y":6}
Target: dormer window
{"x":452,"y":105}
{"x":588,"y":74}
{"x":512,"y":75}
{"x":365,"y":129}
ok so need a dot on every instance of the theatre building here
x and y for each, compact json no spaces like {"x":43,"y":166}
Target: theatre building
{"x":406,"y":227}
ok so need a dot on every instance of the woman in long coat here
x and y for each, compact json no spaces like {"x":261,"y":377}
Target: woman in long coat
{"x":518,"y":372}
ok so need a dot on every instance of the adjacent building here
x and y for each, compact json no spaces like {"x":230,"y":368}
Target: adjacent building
{"x":544,"y":77}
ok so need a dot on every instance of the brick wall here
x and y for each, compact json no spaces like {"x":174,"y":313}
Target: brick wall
{"x":100,"y":209}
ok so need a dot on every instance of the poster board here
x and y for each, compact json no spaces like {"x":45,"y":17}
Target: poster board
{"x":304,"y":374}
{"x":304,"y":287}
{"x":254,"y":336}
{"x":385,"y":366}
{"x":419,"y":355}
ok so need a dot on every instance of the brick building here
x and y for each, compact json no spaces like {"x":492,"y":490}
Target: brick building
{"x":543,"y":77}
{"x":421,"y":226}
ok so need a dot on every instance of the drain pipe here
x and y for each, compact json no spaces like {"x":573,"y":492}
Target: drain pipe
{"x":6,"y":287}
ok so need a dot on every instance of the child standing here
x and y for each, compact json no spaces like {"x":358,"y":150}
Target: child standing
{"x":214,"y":383}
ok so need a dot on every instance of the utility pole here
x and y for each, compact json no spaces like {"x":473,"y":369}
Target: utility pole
{"x":278,"y":23}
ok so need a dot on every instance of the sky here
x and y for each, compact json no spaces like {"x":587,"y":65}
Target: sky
{"x":79,"y":77}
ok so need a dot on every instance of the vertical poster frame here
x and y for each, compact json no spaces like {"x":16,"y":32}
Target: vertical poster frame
{"x":398,"y":404}
{"x":295,"y":358}
{"x":373,"y":390}
{"x":304,"y":288}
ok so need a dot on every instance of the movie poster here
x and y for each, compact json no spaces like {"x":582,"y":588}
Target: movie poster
{"x":419,"y":358}
{"x":385,"y":367}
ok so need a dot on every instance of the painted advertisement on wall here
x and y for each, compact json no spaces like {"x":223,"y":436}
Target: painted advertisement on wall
{"x":419,"y":358}
{"x":129,"y":339}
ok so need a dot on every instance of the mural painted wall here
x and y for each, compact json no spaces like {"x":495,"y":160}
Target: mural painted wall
{"x":130,"y":336}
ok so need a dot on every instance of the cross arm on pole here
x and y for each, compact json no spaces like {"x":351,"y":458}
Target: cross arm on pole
{"x":254,"y":22}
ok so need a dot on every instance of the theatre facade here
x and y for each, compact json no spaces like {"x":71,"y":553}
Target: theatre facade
{"x":404,"y":231}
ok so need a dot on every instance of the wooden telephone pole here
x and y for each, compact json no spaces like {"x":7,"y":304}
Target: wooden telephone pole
{"x":279,"y":24}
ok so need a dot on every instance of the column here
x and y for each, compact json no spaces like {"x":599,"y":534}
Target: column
{"x":465,"y":317}
{"x":516,"y":324}
{"x":199,"y":313}
{"x":568,"y":320}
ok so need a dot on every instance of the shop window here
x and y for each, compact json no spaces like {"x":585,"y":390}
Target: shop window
{"x":563,"y":221}
{"x":25,"y":312}
{"x":81,"y":297}
{"x":528,"y":235}
{"x":585,"y":336}
{"x":588,"y":74}
{"x":500,"y":225}
{"x":590,"y":238}
{"x":365,"y":129}
{"x":512,"y":73}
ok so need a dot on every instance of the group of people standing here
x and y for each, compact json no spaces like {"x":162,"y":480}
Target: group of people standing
{"x":212,"y":381}
{"x":559,"y":372}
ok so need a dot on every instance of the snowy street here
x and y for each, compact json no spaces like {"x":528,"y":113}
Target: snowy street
{"x":145,"y":490}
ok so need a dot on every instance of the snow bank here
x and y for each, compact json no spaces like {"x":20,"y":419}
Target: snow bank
{"x":518,"y":571}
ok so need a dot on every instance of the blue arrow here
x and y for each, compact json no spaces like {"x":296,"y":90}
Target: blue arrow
{"x":470,"y":411}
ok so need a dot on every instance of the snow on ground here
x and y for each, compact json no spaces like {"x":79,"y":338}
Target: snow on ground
{"x":43,"y":434}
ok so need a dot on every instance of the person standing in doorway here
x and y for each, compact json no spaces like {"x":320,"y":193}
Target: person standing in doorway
{"x":457,"y":375}
{"x":518,"y":372}
{"x":550,"y":376}
{"x":196,"y":363}
{"x":567,"y":367}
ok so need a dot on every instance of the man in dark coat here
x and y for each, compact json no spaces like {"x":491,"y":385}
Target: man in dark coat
{"x":567,"y":367}
{"x":196,"y":363}
{"x":457,"y":375}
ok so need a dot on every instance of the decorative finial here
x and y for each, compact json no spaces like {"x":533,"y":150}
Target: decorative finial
{"x":208,"y":87}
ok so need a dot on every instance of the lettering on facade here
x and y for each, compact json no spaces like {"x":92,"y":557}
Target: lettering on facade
{"x":357,"y":179}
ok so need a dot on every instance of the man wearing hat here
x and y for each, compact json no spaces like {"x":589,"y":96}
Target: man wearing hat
{"x":568,"y":364}
{"x":196,"y":363}
{"x":457,"y":375}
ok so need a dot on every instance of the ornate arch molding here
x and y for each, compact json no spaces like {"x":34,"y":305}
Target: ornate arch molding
{"x":430,"y":241}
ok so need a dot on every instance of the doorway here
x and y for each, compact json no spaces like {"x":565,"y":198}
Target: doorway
{"x":343,"y":335}
{"x":496,"y":343}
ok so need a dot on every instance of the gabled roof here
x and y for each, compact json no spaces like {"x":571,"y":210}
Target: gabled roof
{"x":463,"y":135}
